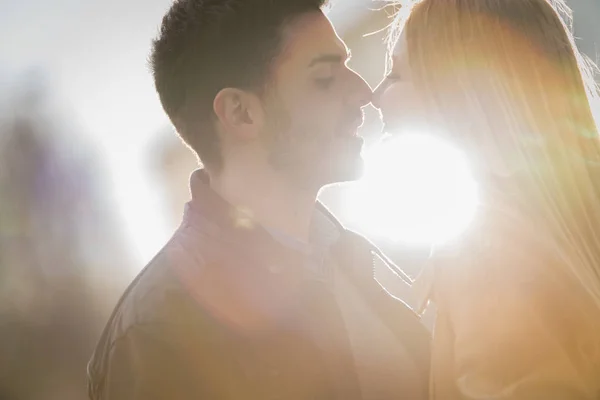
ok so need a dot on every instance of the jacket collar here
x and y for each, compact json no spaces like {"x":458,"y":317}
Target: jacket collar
{"x":210,"y":213}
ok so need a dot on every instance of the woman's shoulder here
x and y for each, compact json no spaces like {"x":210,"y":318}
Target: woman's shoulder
{"x":500,"y":233}
{"x":507,"y":255}
{"x":509,"y":268}
{"x":501,"y":250}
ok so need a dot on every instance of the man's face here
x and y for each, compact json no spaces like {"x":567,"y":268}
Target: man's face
{"x":314,"y":107}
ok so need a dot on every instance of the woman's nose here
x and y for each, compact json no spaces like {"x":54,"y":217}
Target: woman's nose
{"x":376,"y":98}
{"x":362,"y":92}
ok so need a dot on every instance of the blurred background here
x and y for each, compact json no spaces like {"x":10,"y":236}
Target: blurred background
{"x":93,"y":179}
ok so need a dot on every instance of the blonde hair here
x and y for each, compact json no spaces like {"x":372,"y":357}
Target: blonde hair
{"x":508,"y":71}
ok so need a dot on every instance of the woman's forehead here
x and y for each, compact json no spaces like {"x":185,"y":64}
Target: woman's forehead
{"x":400,"y":47}
{"x":399,"y":53}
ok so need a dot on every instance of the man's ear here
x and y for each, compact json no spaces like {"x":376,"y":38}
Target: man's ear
{"x":239,"y":112}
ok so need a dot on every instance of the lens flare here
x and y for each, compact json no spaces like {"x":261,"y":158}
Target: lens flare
{"x":417,"y":189}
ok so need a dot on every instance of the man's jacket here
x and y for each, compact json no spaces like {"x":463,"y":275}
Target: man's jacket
{"x":224,"y":311}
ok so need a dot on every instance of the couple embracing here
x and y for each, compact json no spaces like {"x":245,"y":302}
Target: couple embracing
{"x":262,"y":294}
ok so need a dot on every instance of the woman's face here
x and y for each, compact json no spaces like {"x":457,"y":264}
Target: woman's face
{"x":403,"y":111}
{"x":396,"y":96}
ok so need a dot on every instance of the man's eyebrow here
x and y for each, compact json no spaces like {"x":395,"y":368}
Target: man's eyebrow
{"x":330,"y":58}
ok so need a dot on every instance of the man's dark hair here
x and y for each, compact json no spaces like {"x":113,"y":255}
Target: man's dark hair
{"x":205,"y":46}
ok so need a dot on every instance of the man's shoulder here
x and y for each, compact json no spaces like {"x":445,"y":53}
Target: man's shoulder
{"x":157,"y":291}
{"x":150,"y":296}
{"x":144,"y":299}
{"x":156,"y":297}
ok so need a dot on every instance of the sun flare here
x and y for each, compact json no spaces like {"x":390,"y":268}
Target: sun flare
{"x":417,"y":189}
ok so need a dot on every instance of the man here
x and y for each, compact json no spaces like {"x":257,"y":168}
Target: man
{"x":261,"y":293}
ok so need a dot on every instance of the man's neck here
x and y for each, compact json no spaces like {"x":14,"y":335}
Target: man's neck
{"x":269,"y":199}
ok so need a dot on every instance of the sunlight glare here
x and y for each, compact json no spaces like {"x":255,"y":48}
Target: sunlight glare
{"x":417,"y":189}
{"x":141,"y":211}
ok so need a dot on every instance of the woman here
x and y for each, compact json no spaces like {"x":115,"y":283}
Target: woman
{"x":518,"y":299}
